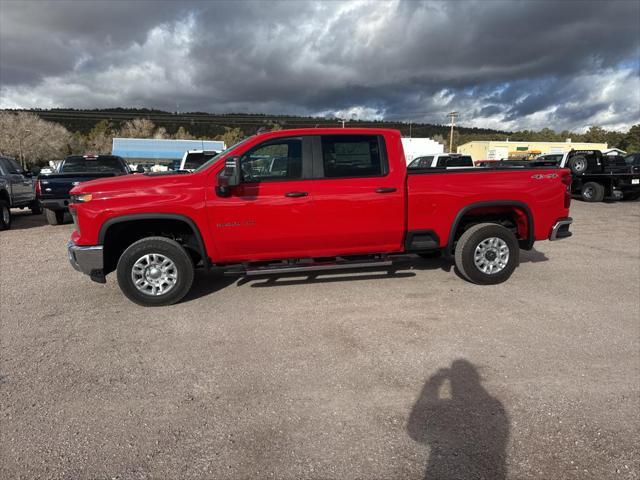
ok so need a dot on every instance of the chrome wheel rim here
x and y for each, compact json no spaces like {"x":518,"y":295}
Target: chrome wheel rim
{"x":154,"y":274}
{"x":588,"y":192}
{"x":491,"y":255}
{"x":6,"y":215}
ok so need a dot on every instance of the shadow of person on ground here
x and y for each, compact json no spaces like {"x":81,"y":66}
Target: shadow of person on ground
{"x":465,"y":427}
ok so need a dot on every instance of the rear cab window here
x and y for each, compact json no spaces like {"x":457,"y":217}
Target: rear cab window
{"x":93,"y":164}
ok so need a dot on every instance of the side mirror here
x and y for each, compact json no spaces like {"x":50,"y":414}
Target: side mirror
{"x":229,"y":177}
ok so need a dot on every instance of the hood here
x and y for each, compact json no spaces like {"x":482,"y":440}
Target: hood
{"x":134,"y":182}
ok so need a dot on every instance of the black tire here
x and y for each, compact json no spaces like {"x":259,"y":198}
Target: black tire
{"x":54,"y":217}
{"x":471,"y":240}
{"x":170,"y":249}
{"x":578,"y":165}
{"x":35,"y":207}
{"x":431,"y":254}
{"x":5,"y":215}
{"x":592,"y":192}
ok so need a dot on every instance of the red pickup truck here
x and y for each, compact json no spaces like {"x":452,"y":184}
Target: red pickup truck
{"x":308,"y":200}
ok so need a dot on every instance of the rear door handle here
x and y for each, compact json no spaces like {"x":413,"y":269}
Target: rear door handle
{"x":296,"y":194}
{"x":385,"y":190}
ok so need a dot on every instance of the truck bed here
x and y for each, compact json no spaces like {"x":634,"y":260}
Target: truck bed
{"x":436,"y":197}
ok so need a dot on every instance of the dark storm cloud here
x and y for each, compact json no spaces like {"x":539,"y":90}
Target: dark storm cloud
{"x":507,"y":64}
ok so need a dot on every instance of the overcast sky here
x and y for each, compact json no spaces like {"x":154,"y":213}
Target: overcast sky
{"x":501,"y":64}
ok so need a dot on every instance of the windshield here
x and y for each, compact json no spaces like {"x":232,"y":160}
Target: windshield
{"x":194,"y":160}
{"x":221,"y":154}
{"x":92,"y":164}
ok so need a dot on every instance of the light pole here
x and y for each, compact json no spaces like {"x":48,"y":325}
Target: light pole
{"x":20,"y":139}
{"x":453,"y":116}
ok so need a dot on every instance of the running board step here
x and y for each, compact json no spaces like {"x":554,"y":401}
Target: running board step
{"x":310,"y":267}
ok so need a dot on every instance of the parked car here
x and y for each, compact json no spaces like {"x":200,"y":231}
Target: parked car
{"x":16,"y":191}
{"x":344,"y":198}
{"x":192,"y":159}
{"x":53,"y":189}
{"x":442,"y":160}
{"x":596,"y":176}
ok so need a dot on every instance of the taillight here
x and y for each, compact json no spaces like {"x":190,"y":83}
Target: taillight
{"x":567,"y":180}
{"x":38,"y":188}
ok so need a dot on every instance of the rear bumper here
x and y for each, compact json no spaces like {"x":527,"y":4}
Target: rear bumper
{"x":560,"y":229}
{"x":55,"y":204}
{"x":86,"y":259}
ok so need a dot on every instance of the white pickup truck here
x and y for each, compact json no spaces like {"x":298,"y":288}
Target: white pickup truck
{"x":442,"y":160}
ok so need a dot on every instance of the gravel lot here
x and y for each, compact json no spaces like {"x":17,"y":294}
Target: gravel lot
{"x":365,"y":376}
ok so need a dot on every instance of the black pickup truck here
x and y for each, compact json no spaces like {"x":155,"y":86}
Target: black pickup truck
{"x":53,"y":189}
{"x":596,"y":176}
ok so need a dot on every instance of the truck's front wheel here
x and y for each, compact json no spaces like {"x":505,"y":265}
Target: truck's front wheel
{"x":5,"y":216}
{"x":155,"y":271}
{"x":487,"y":254}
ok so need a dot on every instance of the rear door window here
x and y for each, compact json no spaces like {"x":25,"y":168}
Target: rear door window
{"x":345,"y":156}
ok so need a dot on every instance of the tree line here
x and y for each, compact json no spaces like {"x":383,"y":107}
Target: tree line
{"x":34,"y":140}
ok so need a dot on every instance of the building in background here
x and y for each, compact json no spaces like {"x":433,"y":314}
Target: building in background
{"x":418,"y":147}
{"x":160,"y":153}
{"x":503,"y":150}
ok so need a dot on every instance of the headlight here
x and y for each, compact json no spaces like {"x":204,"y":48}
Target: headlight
{"x":81,"y":198}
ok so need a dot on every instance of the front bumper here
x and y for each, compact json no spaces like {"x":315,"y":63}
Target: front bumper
{"x":560,"y":229}
{"x":87,"y":259}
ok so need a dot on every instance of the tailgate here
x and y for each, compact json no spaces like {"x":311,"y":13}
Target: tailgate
{"x":59,"y":185}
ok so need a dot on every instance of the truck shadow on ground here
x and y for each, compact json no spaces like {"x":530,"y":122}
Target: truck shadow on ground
{"x":465,"y":428}
{"x":23,"y":219}
{"x":400,"y":269}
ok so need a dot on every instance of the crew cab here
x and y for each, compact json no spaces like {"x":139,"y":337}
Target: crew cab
{"x":53,"y":189}
{"x":16,"y":191}
{"x":596,"y":176}
{"x":442,"y":160}
{"x":305,"y":200}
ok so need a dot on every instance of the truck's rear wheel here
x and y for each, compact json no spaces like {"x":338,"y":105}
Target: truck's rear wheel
{"x":5,"y":216}
{"x":487,"y":254}
{"x":155,"y":271}
{"x":54,"y":217}
{"x":592,"y":192}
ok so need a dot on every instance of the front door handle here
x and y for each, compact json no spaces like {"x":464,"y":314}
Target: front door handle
{"x":296,"y":194}
{"x":385,"y":190}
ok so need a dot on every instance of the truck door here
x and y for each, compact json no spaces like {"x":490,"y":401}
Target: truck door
{"x":357,"y":196}
{"x":267,"y":216}
{"x":21,"y":186}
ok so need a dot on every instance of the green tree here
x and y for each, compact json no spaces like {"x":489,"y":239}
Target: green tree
{"x":632,"y":139}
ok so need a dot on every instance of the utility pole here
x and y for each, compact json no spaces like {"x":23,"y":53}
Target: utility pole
{"x":343,"y":120}
{"x":409,"y":129}
{"x":453,"y":116}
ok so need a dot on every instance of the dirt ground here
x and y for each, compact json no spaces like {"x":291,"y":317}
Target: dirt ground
{"x":417,"y":374}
